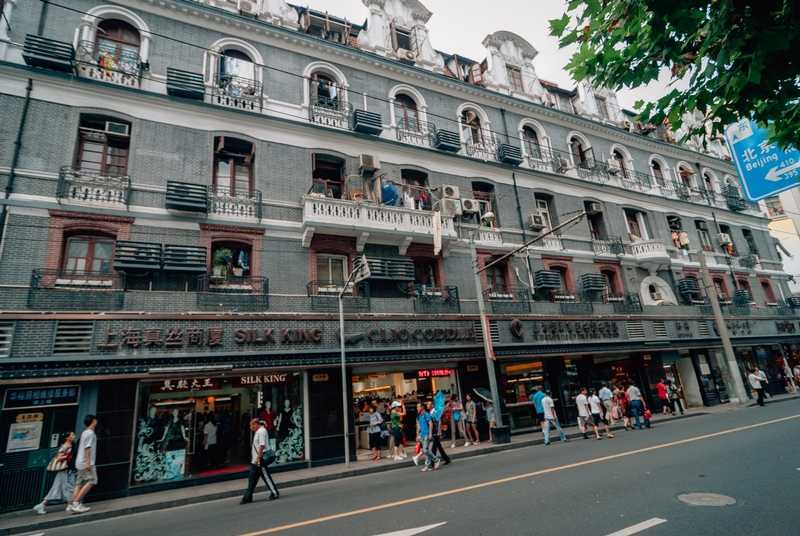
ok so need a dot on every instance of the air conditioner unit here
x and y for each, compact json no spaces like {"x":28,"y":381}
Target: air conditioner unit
{"x":561,"y":165}
{"x":470,"y":206}
{"x":548,"y":100}
{"x":656,"y":296}
{"x":449,"y":207}
{"x":626,"y":124}
{"x":536,"y":222}
{"x":368,"y":162}
{"x":613,"y":166}
{"x":248,"y":7}
{"x":723,"y":239}
{"x":450,"y":192}
{"x":406,"y":56}
{"x":117,"y":129}
{"x":703,"y":226}
{"x":594,"y":208}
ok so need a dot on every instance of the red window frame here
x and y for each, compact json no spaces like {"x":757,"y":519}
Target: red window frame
{"x":515,"y":79}
{"x":89,"y":259}
{"x":531,"y":139}
{"x":101,"y":153}
{"x":405,"y":108}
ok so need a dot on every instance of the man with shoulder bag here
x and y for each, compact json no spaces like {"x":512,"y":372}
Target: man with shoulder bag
{"x":262,"y":456}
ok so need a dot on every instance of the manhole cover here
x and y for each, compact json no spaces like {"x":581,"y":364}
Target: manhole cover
{"x":706,"y":499}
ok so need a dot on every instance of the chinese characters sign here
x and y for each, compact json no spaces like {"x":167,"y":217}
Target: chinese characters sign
{"x":162,"y":338}
{"x":65,"y":395}
{"x":192,"y":384}
{"x":764,"y":169}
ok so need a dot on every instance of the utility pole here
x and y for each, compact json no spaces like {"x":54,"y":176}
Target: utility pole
{"x":733,"y":366}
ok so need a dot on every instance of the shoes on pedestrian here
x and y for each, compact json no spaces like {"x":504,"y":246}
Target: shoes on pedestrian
{"x":79,"y":508}
{"x":681,"y":413}
{"x":609,"y":436}
{"x":245,"y":501}
{"x":599,"y":438}
{"x":447,"y":462}
{"x":416,"y":460}
{"x":426,"y":468}
{"x":490,"y":441}
{"x":274,"y":497}
{"x":398,"y":458}
{"x":546,"y":442}
{"x":467,"y":443}
{"x":39,"y":508}
{"x":477,"y":443}
{"x":453,"y":446}
{"x":565,"y":440}
{"x":437,"y":463}
{"x":585,"y":436}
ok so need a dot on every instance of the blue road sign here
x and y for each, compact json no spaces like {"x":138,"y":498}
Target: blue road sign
{"x":763,"y":169}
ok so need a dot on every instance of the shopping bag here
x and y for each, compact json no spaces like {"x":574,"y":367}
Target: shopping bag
{"x":418,"y":448}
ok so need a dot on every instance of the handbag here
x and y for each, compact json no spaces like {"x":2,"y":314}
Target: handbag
{"x":267,"y":457}
{"x":456,"y":416}
{"x":647,"y":414}
{"x":56,"y":466}
{"x":615,"y":413}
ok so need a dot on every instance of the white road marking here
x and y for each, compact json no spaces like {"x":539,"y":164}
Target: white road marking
{"x":412,"y":532}
{"x":639,"y":527}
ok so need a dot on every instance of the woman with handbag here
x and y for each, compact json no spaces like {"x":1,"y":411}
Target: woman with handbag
{"x":64,"y":484}
{"x":674,"y":395}
{"x":375,"y":423}
{"x":457,"y":421}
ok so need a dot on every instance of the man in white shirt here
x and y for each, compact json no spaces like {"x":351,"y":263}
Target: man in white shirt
{"x":596,"y":407}
{"x":607,"y":398}
{"x":84,"y":463}
{"x":767,"y":390}
{"x":257,"y":469}
{"x":584,"y":417}
{"x":550,"y":419}
{"x":637,"y":405}
{"x":755,"y":383}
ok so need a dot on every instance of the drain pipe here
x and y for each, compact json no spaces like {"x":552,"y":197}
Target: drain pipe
{"x":12,"y":174}
{"x":42,"y":17}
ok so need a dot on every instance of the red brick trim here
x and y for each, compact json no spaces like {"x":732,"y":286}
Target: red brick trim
{"x":211,"y":233}
{"x":486,"y":256}
{"x":417,"y":251}
{"x":552,"y":262}
{"x":611,"y":266}
{"x":768,"y":280}
{"x":331,"y":245}
{"x":64,"y":223}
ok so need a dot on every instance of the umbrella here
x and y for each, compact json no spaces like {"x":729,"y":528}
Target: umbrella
{"x":438,"y":405}
{"x":483,"y":393}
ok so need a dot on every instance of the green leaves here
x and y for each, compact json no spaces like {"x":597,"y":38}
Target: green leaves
{"x":557,"y":26}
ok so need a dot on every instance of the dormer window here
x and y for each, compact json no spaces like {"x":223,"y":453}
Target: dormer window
{"x":401,"y":38}
{"x":515,"y":79}
{"x":602,"y":108}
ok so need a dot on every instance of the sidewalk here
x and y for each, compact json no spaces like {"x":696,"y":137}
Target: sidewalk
{"x":30,"y":521}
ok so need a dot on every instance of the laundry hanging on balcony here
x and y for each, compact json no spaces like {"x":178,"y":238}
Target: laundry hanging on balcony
{"x":243,"y":261}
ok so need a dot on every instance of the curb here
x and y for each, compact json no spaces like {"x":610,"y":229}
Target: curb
{"x":76,"y":519}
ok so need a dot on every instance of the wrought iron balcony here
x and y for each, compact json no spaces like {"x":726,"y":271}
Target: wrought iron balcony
{"x":232,"y":293}
{"x":76,"y":184}
{"x":234,"y":203}
{"x":634,"y":180}
{"x":108,"y":64}
{"x":699,"y":196}
{"x":484,"y":149}
{"x":237,"y":92}
{"x":331,"y":112}
{"x":572,"y":302}
{"x":60,"y":290}
{"x":608,"y":245}
{"x":508,"y":300}
{"x":593,"y":170}
{"x":738,"y":306}
{"x":745,"y":261}
{"x":547,"y":160}
{"x":784,"y":309}
{"x":435,"y":299}
{"x":324,"y":295}
{"x":416,"y":132}
{"x":623,"y":303}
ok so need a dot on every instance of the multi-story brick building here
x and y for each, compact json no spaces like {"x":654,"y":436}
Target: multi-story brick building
{"x":188,"y":185}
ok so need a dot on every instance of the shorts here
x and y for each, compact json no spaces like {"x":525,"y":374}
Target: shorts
{"x":375,"y":440}
{"x":541,"y":417}
{"x":86,"y":477}
{"x":598,"y":419}
{"x":397,"y":432}
{"x":587,"y":421}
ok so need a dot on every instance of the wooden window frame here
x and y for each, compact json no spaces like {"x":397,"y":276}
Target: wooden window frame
{"x":119,"y":142}
{"x":532,"y":142}
{"x":406,"y":111}
{"x":92,"y":240}
{"x":658,"y":173}
{"x":328,"y":183}
{"x":234,"y":159}
{"x":602,"y":107}
{"x":515,"y":79}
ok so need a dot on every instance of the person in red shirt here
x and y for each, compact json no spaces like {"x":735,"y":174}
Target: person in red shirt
{"x":662,"y":395}
{"x":268,"y":415}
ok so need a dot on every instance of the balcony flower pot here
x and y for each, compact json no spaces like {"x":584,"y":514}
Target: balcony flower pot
{"x":222,"y":260}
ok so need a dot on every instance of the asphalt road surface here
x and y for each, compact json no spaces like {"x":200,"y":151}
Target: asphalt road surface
{"x":746,"y":460}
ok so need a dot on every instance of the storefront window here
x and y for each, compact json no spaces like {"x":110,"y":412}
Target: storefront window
{"x":199,"y":426}
{"x":521,"y":380}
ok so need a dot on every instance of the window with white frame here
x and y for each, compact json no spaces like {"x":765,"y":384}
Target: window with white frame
{"x":331,"y":268}
{"x":543,"y":208}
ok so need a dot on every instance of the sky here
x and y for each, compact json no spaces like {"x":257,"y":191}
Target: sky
{"x":459,"y":26}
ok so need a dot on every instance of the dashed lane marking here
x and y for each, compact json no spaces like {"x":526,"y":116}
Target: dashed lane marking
{"x":639,"y":527}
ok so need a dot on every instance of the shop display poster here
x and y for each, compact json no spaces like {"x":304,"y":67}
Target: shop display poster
{"x":24,"y":436}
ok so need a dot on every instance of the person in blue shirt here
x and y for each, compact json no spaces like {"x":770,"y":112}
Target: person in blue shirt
{"x":425,"y":437}
{"x":537,"y":398}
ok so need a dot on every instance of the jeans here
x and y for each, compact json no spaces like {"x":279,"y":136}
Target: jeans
{"x":430,"y":457}
{"x":547,"y":424}
{"x":637,"y":408}
{"x":256,"y":472}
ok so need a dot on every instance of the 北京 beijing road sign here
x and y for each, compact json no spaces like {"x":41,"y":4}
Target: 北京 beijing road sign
{"x":763,"y":169}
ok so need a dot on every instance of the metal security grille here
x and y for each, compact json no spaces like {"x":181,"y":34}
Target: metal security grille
{"x":702,"y":325}
{"x":6,"y":337}
{"x":660,"y":328}
{"x":73,"y":337}
{"x":493,"y":331}
{"x":635,"y":330}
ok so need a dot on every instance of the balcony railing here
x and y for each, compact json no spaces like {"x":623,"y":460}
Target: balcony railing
{"x":634,"y":180}
{"x":738,"y":306}
{"x":623,"y":303}
{"x":237,"y":92}
{"x":608,"y":245}
{"x":330,"y":112}
{"x":60,"y":290}
{"x":593,"y":170}
{"x":572,"y":302}
{"x":108,"y":64}
{"x":546,"y":159}
{"x":324,"y":295}
{"x":508,"y":300}
{"x":436,"y":299}
{"x":484,"y":149}
{"x":416,"y":132}
{"x":89,"y":185}
{"x":488,"y":237}
{"x":552,"y":242}
{"x":745,"y":261}
{"x":232,"y":293}
{"x":699,"y":196}
{"x":235,"y":203}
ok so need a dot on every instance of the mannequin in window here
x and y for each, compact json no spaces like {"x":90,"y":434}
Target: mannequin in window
{"x":269,"y":416}
{"x":155,"y":424}
{"x":284,"y":423}
{"x":175,"y":433}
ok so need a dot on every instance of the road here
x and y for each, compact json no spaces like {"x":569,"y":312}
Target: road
{"x":581,"y":487}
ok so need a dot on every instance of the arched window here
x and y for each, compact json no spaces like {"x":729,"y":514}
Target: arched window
{"x":406,"y":113}
{"x":117,"y":45}
{"x":766,"y":289}
{"x":88,"y":254}
{"x":658,"y":174}
{"x":610,"y":277}
{"x":531,"y":140}
{"x":496,"y":278}
{"x":580,"y":154}
{"x":708,"y":183}
{"x":472,"y":123}
{"x":685,"y":175}
{"x":621,"y":163}
{"x":324,"y":91}
{"x":233,"y":165}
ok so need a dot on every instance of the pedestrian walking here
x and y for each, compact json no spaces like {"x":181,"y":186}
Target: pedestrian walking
{"x":85,"y":456}
{"x":624,"y":402}
{"x":584,"y":416}
{"x":755,"y":382}
{"x":472,"y":422}
{"x":607,"y":398}
{"x":457,"y":420}
{"x":259,"y":469}
{"x":550,"y":419}
{"x":425,"y":438}
{"x":437,"y":435}
{"x":396,"y":416}
{"x":375,"y":422}
{"x":796,"y":372}
{"x":674,"y":397}
{"x":666,"y":406}
{"x":63,"y":464}
{"x":764,"y":381}
{"x":599,"y":413}
{"x":537,"y":398}
{"x":638,"y":406}
{"x":491,"y":418}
